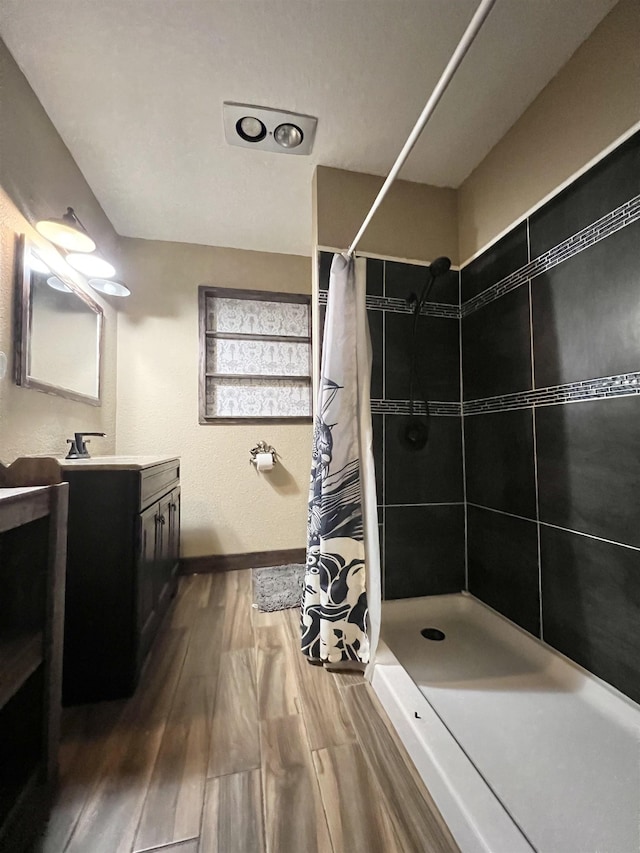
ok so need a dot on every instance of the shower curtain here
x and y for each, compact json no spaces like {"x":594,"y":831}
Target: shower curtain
{"x":341,"y":599}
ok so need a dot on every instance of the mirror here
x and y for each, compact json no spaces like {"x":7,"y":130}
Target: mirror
{"x":58,"y":334}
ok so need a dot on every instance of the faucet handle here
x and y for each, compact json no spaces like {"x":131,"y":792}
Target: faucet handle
{"x":78,"y":449}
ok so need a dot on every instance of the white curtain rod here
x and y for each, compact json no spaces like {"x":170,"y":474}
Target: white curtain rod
{"x":452,"y":66}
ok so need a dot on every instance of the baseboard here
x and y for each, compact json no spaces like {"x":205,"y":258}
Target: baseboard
{"x":250,"y":560}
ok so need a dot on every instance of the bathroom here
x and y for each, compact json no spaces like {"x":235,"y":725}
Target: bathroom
{"x":522,"y":496}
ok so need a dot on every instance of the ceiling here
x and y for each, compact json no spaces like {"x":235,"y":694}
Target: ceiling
{"x":135,"y":89}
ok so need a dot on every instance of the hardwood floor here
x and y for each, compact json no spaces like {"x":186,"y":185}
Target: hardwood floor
{"x":233,"y":743}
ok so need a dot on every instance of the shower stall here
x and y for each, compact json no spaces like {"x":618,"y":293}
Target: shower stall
{"x":505,"y":444}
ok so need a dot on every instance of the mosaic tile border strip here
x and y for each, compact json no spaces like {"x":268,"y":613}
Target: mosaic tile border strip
{"x":624,"y":384}
{"x":402,"y":407}
{"x":605,"y":226}
{"x":400,"y":306}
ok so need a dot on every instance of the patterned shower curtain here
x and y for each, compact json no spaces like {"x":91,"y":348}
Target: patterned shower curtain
{"x":341,"y":596}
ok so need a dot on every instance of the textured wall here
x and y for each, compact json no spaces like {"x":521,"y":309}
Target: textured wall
{"x":551,"y":369}
{"x":416,"y":221}
{"x":590,"y":103}
{"x":39,"y":178}
{"x":227,"y":506}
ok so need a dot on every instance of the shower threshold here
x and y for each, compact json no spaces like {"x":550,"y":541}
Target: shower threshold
{"x":521,"y":749}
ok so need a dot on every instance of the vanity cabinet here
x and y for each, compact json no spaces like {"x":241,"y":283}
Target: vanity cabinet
{"x":122,"y":565}
{"x":32,"y":563}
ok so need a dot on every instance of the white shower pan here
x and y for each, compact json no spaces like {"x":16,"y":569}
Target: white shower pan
{"x":521,"y":749}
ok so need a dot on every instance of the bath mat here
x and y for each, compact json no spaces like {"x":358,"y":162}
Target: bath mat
{"x":278,"y":587}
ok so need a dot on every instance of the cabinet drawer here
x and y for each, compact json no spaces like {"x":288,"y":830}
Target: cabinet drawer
{"x":158,"y":480}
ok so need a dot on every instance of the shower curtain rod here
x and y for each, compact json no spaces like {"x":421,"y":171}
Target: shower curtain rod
{"x":452,"y":66}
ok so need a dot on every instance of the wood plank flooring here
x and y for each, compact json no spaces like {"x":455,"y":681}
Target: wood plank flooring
{"x":233,"y":743}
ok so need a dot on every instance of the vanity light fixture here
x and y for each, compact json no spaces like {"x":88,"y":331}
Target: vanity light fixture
{"x":90,"y":265}
{"x":58,"y":284}
{"x":109,"y":288}
{"x":67,"y":232}
{"x":70,"y":234}
{"x":36,"y":264}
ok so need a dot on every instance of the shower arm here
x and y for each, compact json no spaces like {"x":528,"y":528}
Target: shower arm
{"x":447,"y":75}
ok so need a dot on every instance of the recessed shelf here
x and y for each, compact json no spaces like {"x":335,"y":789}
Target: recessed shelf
{"x":302,"y":378}
{"x":16,"y":509}
{"x":20,"y":656}
{"x":233,"y":336}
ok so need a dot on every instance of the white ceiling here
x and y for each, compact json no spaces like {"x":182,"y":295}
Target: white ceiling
{"x":135,"y":88}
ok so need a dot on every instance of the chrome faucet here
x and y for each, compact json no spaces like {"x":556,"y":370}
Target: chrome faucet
{"x":78,"y":449}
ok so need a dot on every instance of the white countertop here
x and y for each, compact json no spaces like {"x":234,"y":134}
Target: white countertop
{"x":7,"y":494}
{"x":114,"y":463}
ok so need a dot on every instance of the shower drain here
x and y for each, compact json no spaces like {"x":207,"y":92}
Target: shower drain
{"x":433,"y":634}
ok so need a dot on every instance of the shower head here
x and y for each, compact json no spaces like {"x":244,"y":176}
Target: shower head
{"x":440,"y":266}
{"x":437,"y":268}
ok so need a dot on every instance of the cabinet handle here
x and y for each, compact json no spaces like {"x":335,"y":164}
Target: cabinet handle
{"x":160,"y":519}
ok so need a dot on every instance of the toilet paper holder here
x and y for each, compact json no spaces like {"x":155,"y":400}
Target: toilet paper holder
{"x":262,"y":447}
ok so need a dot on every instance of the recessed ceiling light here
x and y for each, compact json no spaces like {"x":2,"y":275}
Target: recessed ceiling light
{"x":91,"y":265}
{"x":110,"y":288}
{"x":288,"y":135}
{"x":268,"y":129}
{"x":251,"y":129}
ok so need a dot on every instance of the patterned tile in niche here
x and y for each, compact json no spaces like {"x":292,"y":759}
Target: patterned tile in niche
{"x":258,"y":317}
{"x":424,"y":550}
{"x":251,"y":398}
{"x":430,"y":475}
{"x":603,"y":188}
{"x":496,"y":347}
{"x":591,"y":605}
{"x":503,"y":565}
{"x":499,"y":461}
{"x":586,"y":312}
{"x":284,"y":358}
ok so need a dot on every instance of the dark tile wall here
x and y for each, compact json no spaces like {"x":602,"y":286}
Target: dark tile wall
{"x":551,"y":389}
{"x":503,"y":565}
{"x":420,"y":494}
{"x":500,"y":461}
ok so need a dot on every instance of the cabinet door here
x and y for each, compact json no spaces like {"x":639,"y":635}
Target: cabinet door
{"x":174,"y":531}
{"x":163,"y":564}
{"x":146,"y":569}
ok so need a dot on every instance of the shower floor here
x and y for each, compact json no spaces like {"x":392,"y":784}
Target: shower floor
{"x":544,"y":755}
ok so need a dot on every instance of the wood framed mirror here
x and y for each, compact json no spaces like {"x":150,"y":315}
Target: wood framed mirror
{"x":58,"y":330}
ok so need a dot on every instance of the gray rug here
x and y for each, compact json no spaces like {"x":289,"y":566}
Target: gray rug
{"x":278,"y":587}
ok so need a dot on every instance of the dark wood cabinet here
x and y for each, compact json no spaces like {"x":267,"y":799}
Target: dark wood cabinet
{"x":124,"y":547}
{"x":32,"y":562}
